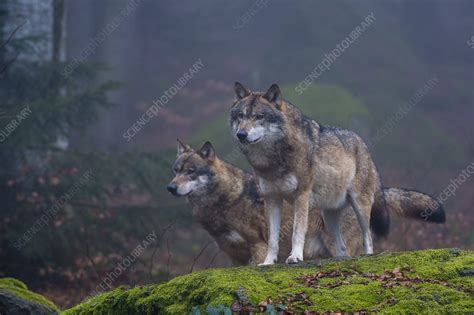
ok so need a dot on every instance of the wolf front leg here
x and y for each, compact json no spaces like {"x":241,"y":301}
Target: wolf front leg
{"x":300,"y":226}
{"x":273,"y":206}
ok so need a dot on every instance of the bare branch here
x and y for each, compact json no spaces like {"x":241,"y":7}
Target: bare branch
{"x":157,"y":244}
{"x":199,"y":255}
{"x":12,"y":34}
{"x":169,"y":259}
{"x":7,"y":64}
{"x":213,"y":258}
{"x":91,"y":260}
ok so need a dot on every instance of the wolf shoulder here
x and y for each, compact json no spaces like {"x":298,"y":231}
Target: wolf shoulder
{"x":332,"y":136}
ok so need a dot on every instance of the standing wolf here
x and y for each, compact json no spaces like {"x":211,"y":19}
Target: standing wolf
{"x":305,"y":163}
{"x":227,"y":203}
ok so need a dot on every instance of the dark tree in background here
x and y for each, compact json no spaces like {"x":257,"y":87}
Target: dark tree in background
{"x":57,"y":202}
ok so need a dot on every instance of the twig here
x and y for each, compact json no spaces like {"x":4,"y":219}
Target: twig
{"x":12,"y":34}
{"x":90,"y":258}
{"x":157,"y":244}
{"x":199,"y":255}
{"x":169,"y":259}
{"x":213,"y":258}
{"x":5,"y":65}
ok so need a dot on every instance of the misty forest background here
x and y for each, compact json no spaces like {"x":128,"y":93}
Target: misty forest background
{"x":77,"y":121}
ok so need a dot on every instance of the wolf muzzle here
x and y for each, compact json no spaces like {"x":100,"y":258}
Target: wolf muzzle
{"x":172,"y":188}
{"x":242,"y":135}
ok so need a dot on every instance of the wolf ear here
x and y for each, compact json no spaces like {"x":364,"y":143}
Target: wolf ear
{"x":273,"y":95}
{"x":240,"y":91}
{"x":207,"y":152}
{"x":182,"y":147}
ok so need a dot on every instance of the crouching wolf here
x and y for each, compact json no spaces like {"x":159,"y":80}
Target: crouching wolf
{"x":227,"y":203}
{"x":312,"y":165}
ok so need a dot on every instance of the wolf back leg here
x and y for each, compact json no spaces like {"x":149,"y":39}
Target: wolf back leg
{"x":363,"y":220}
{"x":331,"y":221}
{"x":258,"y":252}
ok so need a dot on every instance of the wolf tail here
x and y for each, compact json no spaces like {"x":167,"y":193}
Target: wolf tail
{"x":406,"y":204}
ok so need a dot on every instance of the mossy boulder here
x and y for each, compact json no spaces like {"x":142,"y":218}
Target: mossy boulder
{"x":15,"y":298}
{"x":428,"y":281}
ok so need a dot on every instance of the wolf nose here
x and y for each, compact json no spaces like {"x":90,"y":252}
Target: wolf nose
{"x":172,"y":188}
{"x":242,"y":135}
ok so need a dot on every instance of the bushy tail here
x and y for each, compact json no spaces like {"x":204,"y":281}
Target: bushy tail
{"x":406,"y":204}
{"x":380,"y":215}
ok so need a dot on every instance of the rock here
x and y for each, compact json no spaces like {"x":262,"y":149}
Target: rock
{"x":455,"y":251}
{"x":426,"y":281}
{"x":467,"y":273}
{"x":16,"y":299}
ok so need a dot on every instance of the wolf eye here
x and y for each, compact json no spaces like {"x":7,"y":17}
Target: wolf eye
{"x":190,"y":171}
{"x":240,"y":115}
{"x":258,"y":116}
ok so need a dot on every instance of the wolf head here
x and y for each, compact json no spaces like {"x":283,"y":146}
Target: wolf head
{"x":257,"y":116}
{"x":194,"y":174}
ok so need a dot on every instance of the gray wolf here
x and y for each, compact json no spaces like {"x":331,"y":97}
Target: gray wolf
{"x":312,"y":165}
{"x":226,"y":201}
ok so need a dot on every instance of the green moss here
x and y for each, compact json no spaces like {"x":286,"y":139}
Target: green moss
{"x":12,"y":283}
{"x":435,"y":286}
{"x":20,"y":290}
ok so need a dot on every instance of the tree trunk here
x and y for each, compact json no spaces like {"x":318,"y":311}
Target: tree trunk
{"x":59,"y":30}
{"x":37,"y":17}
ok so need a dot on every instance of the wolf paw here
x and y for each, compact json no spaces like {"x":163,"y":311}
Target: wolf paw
{"x":294,"y":259}
{"x":344,"y":257}
{"x":268,"y":262}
